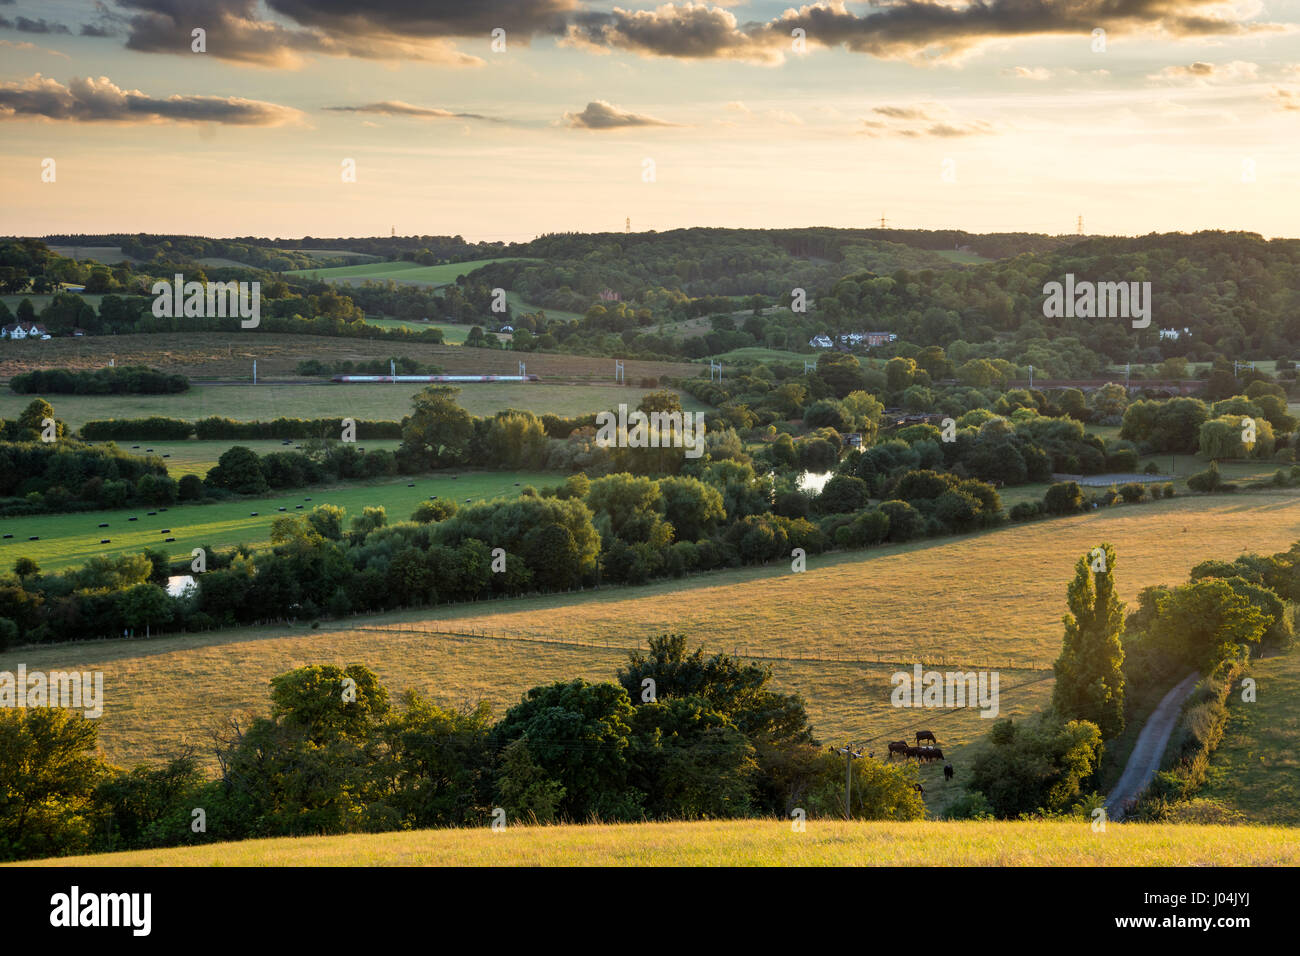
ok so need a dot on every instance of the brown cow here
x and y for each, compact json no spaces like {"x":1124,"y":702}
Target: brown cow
{"x":897,"y":747}
{"x":925,"y":735}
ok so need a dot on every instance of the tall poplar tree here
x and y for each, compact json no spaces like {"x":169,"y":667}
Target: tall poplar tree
{"x":1089,"y":672}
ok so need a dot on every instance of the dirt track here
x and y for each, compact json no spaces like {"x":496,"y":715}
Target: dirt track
{"x":1144,"y":761}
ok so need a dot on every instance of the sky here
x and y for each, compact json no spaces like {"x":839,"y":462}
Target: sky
{"x":505,"y":119}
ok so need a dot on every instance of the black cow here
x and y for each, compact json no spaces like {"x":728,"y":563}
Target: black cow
{"x":925,"y":735}
{"x":897,"y":747}
{"x":919,"y":789}
{"x":947,"y":772}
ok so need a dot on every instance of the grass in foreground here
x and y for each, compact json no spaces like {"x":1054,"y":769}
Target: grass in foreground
{"x":752,"y":843}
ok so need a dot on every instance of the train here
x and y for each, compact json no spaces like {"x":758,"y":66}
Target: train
{"x":431,"y":379}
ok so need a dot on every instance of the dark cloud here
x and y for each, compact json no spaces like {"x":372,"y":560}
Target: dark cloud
{"x":398,"y":108}
{"x":920,"y":28}
{"x":429,"y":18}
{"x":686,"y":32}
{"x":236,"y":33}
{"x":91,"y":100}
{"x":915,"y":29}
{"x":24,"y":25}
{"x":602,"y":115}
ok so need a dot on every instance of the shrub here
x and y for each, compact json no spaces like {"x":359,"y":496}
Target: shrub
{"x":1063,"y":498}
{"x":1132,"y":492}
{"x":1207,"y":480}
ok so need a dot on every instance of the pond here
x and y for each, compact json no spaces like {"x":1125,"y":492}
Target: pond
{"x":178,"y":584}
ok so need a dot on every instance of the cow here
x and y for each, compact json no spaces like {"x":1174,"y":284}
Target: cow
{"x":947,"y":772}
{"x":919,"y":789}
{"x":914,"y":752}
{"x":925,"y":735}
{"x":933,"y":753}
{"x":897,"y":747}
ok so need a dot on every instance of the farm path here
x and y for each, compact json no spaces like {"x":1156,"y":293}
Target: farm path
{"x":1144,"y":761}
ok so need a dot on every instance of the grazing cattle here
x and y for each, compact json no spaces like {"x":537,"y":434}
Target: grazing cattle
{"x":933,"y":753}
{"x":947,"y":772}
{"x":925,"y":735}
{"x":919,"y":789}
{"x":897,"y":747}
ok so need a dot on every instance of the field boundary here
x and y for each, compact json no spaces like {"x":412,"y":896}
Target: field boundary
{"x":739,"y":651}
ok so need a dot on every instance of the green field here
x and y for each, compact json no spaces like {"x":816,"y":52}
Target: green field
{"x":70,"y":539}
{"x":1256,"y":769}
{"x":410,"y":273}
{"x":756,"y":353}
{"x":960,"y":257}
{"x":518,"y":305}
{"x":328,"y":400}
{"x":834,"y":633}
{"x":749,"y":843}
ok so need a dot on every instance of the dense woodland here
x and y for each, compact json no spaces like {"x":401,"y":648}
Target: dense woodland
{"x":1237,"y":295}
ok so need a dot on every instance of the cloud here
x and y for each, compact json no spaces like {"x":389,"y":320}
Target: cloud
{"x":24,"y":45}
{"x":1286,"y":99}
{"x":688,"y":32}
{"x":398,"y":108}
{"x":24,"y":25}
{"x":235,"y":33}
{"x":938,"y":129}
{"x":902,"y":112}
{"x":1037,"y":73}
{"x":927,"y":31}
{"x":429,"y":18}
{"x":602,"y":115}
{"x":1202,"y":73}
{"x":93,"y":100}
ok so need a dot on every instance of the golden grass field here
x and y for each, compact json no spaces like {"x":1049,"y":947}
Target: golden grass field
{"x":834,"y":633}
{"x":750,"y":843}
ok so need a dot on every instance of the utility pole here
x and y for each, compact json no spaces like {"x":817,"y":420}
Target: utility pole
{"x":850,"y":755}
{"x":1031,"y":376}
{"x":1080,"y":226}
{"x":254,"y":371}
{"x":619,"y":375}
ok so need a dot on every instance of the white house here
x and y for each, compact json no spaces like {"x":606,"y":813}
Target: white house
{"x":24,"y":330}
{"x":1175,"y":334}
{"x":821,"y":342}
